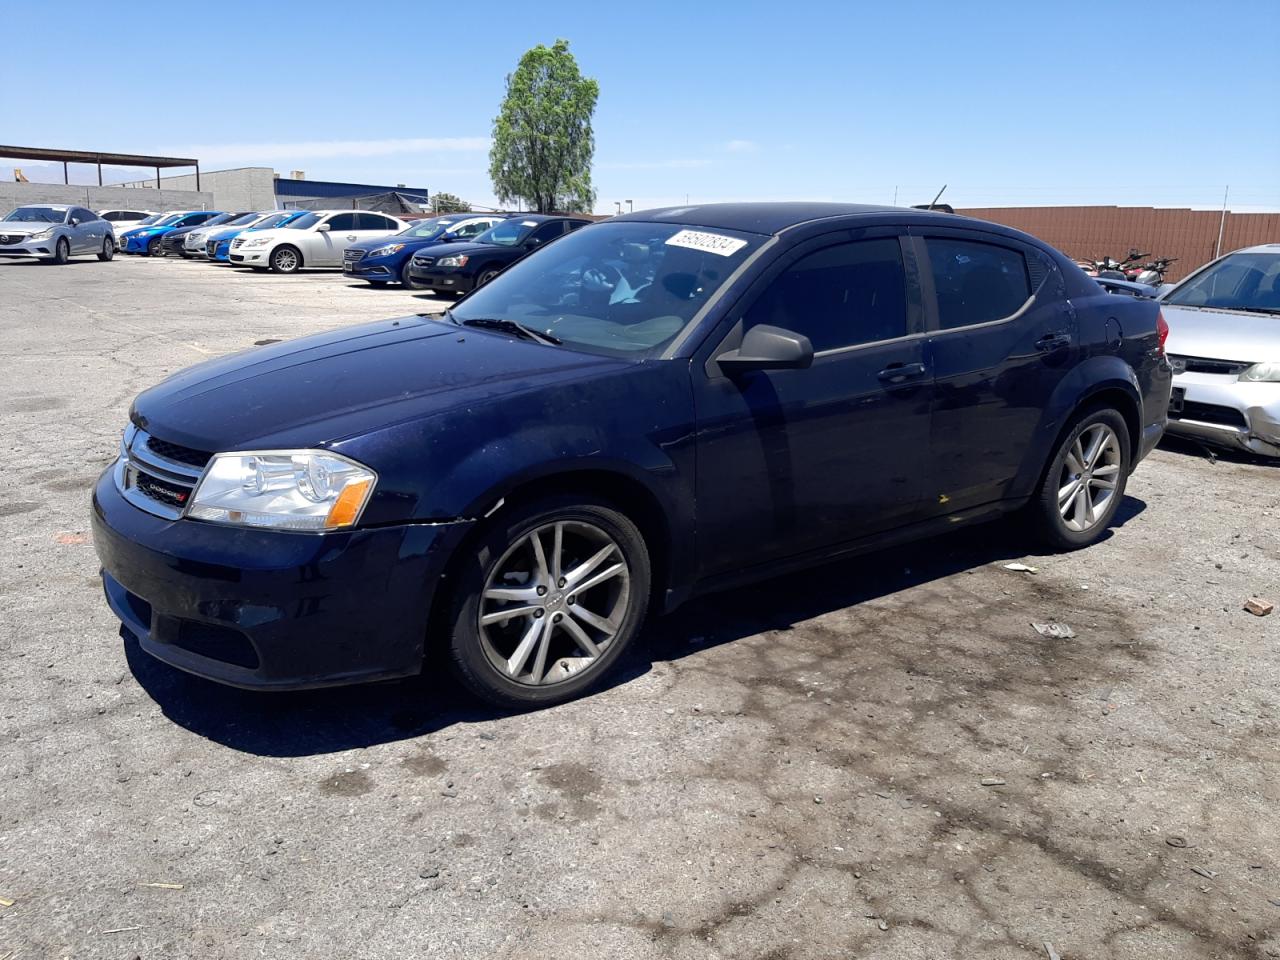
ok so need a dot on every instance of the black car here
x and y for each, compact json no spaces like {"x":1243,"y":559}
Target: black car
{"x":464,"y":266}
{"x":658,"y":406}
{"x":174,"y":243}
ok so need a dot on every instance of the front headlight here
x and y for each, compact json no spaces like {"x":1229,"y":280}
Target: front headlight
{"x":458,"y":261}
{"x":257,"y":242}
{"x":284,"y":490}
{"x":42,"y":235}
{"x":1262,"y":373}
{"x":386,"y":251}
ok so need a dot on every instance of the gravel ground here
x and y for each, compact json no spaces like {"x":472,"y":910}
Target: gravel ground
{"x":880,"y":758}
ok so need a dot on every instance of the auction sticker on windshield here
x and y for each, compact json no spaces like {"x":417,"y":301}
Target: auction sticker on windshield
{"x":706,"y":242}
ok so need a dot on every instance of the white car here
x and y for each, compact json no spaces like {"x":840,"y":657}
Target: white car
{"x":316,"y":239}
{"x":122,"y":220}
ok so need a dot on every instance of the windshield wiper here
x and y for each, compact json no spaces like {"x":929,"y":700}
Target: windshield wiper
{"x":512,"y":326}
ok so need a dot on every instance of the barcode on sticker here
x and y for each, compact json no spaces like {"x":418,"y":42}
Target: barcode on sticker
{"x":707,"y":242}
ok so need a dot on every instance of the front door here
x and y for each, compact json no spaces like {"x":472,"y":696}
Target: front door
{"x":794,"y":461}
{"x":330,"y":244}
{"x":1003,"y":337}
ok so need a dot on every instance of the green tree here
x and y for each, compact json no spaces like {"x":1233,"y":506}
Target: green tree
{"x":542,"y":139}
{"x":449,"y":203}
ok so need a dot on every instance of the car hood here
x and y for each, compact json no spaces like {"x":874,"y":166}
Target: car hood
{"x":331,"y":386}
{"x":1222,"y":334}
{"x":21,"y":228}
{"x":416,"y":243}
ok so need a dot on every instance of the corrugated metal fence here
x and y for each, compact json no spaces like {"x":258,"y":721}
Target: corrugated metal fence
{"x":1094,"y":232}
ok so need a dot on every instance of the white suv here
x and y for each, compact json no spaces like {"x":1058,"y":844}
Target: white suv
{"x":122,"y":220}
{"x":316,"y":239}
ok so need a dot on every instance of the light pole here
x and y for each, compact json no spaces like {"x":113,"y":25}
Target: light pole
{"x":630,"y":207}
{"x":618,"y":204}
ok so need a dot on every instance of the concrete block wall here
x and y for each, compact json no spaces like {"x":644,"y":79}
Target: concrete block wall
{"x":104,"y":198}
{"x":244,"y":188}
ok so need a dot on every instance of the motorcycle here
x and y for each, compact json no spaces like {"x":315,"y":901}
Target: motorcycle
{"x":1153,"y":273}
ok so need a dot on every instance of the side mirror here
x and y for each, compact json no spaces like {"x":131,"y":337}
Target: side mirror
{"x":768,"y":348}
{"x":532,"y":243}
{"x":323,"y":228}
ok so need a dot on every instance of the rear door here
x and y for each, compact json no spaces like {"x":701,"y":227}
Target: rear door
{"x":793,"y":461}
{"x":1002,"y":337}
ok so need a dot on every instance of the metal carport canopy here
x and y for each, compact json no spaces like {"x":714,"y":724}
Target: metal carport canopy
{"x":98,"y":157}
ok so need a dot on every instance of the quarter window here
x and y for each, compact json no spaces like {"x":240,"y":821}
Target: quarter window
{"x":839,"y":296}
{"x":976,"y":282}
{"x":342,"y":221}
{"x":374,"y":221}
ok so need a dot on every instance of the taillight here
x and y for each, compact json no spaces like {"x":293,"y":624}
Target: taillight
{"x":1162,"y":331}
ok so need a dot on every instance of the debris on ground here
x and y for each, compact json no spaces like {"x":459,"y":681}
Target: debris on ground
{"x":1259,"y":607}
{"x":991,"y":782}
{"x":1054,"y":631}
{"x":122,"y":929}
{"x":164,"y":886}
{"x":1021,"y":568}
{"x":1053,"y":954}
{"x":1207,"y":874}
{"x":5,"y":902}
{"x":1176,"y":841}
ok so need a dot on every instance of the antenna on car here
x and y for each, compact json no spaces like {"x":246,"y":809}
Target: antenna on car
{"x":935,"y":205}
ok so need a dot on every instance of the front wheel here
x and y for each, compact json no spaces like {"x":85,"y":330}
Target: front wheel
{"x":153,"y":247}
{"x":407,"y":281}
{"x":61,"y":252}
{"x":1085,"y":481}
{"x":547,"y":599}
{"x":108,"y":250}
{"x":486,"y":276}
{"x":286,"y":260}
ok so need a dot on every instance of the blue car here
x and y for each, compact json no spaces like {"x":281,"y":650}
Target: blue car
{"x":641,"y":411}
{"x":386,"y":259}
{"x":218,"y":243}
{"x":147,"y":240}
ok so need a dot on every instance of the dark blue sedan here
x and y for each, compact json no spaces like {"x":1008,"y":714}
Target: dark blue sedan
{"x":648,"y":409}
{"x":386,"y":259}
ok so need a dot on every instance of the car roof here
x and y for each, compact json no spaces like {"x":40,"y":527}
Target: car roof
{"x":1260,"y":248}
{"x":773,"y":218}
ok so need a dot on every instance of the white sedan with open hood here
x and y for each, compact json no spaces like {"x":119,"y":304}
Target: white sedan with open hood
{"x":316,"y":239}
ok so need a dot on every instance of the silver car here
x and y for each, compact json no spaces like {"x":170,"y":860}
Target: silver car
{"x":1224,"y":344}
{"x":55,"y":232}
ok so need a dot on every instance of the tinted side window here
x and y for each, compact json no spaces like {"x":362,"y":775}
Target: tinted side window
{"x":472,"y":229}
{"x":342,"y":221}
{"x":839,"y":296}
{"x":548,"y":231}
{"x":374,"y":221}
{"x":976,"y":282}
{"x":577,"y":224}
{"x":114,"y":215}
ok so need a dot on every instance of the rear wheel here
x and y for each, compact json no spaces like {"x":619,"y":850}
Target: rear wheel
{"x":1085,"y":481}
{"x":286,"y":260}
{"x":108,"y":250}
{"x":547,"y":599}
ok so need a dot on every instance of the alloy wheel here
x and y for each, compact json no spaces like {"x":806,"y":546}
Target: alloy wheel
{"x":1090,"y":473}
{"x":554,"y":602}
{"x":286,"y":261}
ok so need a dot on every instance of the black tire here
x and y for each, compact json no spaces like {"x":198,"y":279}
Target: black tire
{"x":407,"y":281}
{"x":108,"y":249}
{"x":487,"y":274}
{"x":286,"y":259}
{"x":61,"y":252}
{"x":481,"y":554}
{"x":153,"y":248}
{"x":1059,"y":475}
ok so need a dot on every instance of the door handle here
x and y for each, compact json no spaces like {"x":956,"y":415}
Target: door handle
{"x":351,"y":236}
{"x":1053,"y":341}
{"x":900,"y":372}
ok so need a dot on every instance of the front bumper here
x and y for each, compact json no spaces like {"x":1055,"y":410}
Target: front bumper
{"x":1219,"y":409}
{"x":442,"y":279}
{"x":269,"y":610}
{"x":248,"y":256}
{"x":133,"y":244}
{"x":41,"y":249}
{"x":379,"y":270}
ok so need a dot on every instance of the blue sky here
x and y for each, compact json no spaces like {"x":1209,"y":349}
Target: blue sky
{"x":1008,"y":103}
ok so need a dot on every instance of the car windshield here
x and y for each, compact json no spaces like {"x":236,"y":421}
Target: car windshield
{"x":37,"y":215}
{"x":244,"y":218}
{"x":151,"y":219}
{"x":165,"y":221}
{"x":508,"y":233}
{"x":275,"y":220}
{"x":622,"y":289}
{"x":1239,"y":281}
{"x":304,"y":221}
{"x":428,"y":229}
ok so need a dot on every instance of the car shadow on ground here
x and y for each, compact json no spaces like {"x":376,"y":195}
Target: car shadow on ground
{"x":314,"y":722}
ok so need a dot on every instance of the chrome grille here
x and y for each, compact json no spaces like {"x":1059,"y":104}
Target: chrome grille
{"x":1183,"y":364}
{"x":157,"y":476}
{"x":11,"y":237}
{"x":351,"y":256}
{"x":237,"y":243}
{"x":420,"y":261}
